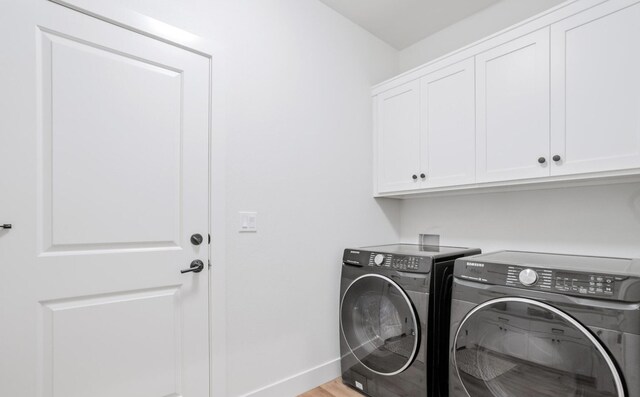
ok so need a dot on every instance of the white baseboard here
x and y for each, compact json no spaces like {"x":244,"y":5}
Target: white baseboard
{"x":301,"y":382}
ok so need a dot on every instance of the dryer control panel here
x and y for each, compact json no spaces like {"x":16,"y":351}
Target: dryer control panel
{"x":582,"y":276}
{"x":597,"y":285}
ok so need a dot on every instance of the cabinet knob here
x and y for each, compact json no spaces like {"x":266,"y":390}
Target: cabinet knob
{"x":557,"y":157}
{"x":542,"y":160}
{"x":414,"y":176}
{"x":423,"y":176}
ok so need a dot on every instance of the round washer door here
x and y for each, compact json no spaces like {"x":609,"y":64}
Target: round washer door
{"x":379,"y":324}
{"x":516,"y":346}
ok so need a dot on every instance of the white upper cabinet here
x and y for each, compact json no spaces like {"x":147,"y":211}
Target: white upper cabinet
{"x":426,"y":131}
{"x":595,"y":102}
{"x":512,"y":97}
{"x":448,"y":125}
{"x":398,"y":137}
{"x":553,"y":99}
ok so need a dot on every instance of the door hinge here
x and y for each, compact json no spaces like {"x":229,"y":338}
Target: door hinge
{"x":209,"y":238}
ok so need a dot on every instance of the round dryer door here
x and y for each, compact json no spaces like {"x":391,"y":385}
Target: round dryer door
{"x":521,"y":347}
{"x":379,"y":324}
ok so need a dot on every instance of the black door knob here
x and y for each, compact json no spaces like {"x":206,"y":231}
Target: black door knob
{"x":557,"y":158}
{"x":414,"y":176}
{"x":196,"y":239}
{"x":196,"y":266}
{"x":423,"y":176}
{"x":542,"y":160}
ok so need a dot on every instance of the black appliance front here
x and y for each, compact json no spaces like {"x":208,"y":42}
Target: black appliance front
{"x":383,"y":328}
{"x":517,"y":346}
{"x":394,"y":319}
{"x":545,"y":325}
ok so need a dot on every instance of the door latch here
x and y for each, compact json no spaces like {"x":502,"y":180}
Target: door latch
{"x":196,"y":266}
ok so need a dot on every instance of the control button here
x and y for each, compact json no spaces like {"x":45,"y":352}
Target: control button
{"x":528,"y":277}
{"x":378,"y":259}
{"x":599,"y":279}
{"x":609,"y":281}
{"x":599,"y":290}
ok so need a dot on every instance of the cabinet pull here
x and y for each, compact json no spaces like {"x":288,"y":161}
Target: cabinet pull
{"x":423,"y":176}
{"x":542,"y":160}
{"x":414,"y":176}
{"x":557,"y":157}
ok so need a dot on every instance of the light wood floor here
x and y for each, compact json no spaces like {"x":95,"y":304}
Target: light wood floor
{"x":335,"y":388}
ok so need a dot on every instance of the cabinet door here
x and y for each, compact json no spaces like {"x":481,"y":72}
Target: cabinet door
{"x":512,"y":97}
{"x":448,"y":111}
{"x":595,"y":123}
{"x":398,"y":138}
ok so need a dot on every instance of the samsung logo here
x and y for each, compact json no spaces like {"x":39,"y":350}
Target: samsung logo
{"x":475,"y":264}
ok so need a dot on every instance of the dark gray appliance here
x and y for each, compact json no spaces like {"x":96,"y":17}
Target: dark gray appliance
{"x":545,"y":325}
{"x":394,"y":308}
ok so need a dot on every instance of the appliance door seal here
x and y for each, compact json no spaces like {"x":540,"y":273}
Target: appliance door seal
{"x":379,"y":324}
{"x":506,"y":345}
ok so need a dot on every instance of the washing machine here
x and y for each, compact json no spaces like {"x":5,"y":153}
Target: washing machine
{"x":545,"y":325}
{"x":394,"y":308}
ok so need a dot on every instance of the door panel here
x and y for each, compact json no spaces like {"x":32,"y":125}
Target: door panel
{"x":398,"y":137}
{"x":448,"y":111}
{"x":513,"y":109}
{"x":81,"y":335}
{"x":596,"y":89}
{"x":113,"y":125}
{"x":106,"y":179}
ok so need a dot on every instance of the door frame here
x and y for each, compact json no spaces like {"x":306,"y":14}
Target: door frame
{"x":145,"y":25}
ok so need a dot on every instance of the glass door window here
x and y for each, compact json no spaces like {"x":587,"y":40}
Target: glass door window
{"x":379,"y":324}
{"x":521,"y":347}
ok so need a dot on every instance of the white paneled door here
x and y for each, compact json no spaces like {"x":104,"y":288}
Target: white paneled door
{"x":104,"y":178}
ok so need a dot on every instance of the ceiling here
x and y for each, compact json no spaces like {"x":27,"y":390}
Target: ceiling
{"x":404,"y":22}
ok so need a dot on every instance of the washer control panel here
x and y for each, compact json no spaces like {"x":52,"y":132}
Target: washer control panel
{"x":387,"y":261}
{"x":541,"y":279}
{"x":398,"y":262}
{"x":586,"y":284}
{"x":518,"y":276}
{"x":529,"y":274}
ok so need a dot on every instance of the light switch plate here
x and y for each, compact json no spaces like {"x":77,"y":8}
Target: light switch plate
{"x":248,"y":221}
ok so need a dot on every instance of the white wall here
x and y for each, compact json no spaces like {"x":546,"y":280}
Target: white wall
{"x":292,"y":108}
{"x":299,"y":153}
{"x":594,"y":220}
{"x":482,"y":24}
